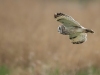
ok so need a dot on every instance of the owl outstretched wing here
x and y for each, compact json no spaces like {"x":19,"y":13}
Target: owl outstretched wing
{"x":66,"y":20}
{"x":78,"y":38}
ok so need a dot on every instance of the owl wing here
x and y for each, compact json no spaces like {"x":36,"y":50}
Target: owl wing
{"x":67,"y":20}
{"x":78,"y":38}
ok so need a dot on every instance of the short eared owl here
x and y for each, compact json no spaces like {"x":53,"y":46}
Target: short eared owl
{"x":77,"y":33}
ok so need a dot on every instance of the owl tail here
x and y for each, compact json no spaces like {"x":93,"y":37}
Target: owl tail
{"x":89,"y":31}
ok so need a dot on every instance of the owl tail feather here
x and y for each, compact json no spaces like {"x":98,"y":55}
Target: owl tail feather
{"x":89,"y":31}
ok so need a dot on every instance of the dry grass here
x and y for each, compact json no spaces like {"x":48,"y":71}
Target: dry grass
{"x":29,"y":38}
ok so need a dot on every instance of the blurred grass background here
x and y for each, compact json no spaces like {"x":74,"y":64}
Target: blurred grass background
{"x":31,"y":45}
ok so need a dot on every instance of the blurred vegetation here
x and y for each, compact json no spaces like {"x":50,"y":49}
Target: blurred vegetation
{"x":31,"y":45}
{"x":87,"y":71}
{"x":54,"y":72}
{"x":4,"y":70}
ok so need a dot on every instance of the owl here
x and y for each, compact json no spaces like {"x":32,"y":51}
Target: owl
{"x":77,"y":33}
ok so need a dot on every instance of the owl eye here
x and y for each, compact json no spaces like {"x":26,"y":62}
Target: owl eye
{"x":59,"y":28}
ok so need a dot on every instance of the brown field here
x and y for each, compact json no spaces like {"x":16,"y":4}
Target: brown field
{"x":30,"y":43}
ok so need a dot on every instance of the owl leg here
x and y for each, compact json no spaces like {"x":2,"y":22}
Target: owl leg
{"x":62,"y":30}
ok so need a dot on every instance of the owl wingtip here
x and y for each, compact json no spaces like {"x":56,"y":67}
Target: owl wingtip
{"x":55,"y":15}
{"x":58,"y":14}
{"x":79,"y":42}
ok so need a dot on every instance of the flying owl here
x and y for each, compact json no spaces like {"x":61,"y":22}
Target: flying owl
{"x":77,"y":33}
